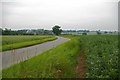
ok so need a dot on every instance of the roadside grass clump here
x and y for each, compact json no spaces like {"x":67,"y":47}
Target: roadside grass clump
{"x":15,"y":42}
{"x":102,"y":55}
{"x":59,"y":62}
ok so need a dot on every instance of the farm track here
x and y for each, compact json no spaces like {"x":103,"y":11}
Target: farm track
{"x":81,"y":67}
{"x":15,"y":56}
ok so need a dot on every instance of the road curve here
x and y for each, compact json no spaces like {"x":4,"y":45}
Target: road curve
{"x":15,"y":56}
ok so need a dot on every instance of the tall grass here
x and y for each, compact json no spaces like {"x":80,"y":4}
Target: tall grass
{"x":59,"y":62}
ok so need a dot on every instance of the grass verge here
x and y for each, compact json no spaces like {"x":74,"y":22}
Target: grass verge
{"x":59,"y":62}
{"x":25,"y":43}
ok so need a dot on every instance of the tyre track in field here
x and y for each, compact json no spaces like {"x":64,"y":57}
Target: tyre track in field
{"x":81,"y":67}
{"x":17,"y":55}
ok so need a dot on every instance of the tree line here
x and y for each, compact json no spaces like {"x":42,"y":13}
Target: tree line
{"x":55,"y":31}
{"x":25,"y":32}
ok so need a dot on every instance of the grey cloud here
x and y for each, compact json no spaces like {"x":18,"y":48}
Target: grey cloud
{"x":68,"y":13}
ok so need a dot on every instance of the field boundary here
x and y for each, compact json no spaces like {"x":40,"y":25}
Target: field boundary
{"x":25,"y":44}
{"x":81,"y":66}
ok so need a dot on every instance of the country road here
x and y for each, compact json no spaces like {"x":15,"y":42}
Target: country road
{"x":15,"y":56}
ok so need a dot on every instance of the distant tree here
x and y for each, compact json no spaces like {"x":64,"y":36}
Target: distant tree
{"x":84,"y":33}
{"x":56,"y":30}
{"x":99,"y":32}
{"x":105,"y":32}
{"x":1,"y":30}
{"x":22,"y":32}
{"x":7,"y":31}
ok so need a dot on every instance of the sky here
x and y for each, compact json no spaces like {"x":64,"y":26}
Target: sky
{"x":69,"y":14}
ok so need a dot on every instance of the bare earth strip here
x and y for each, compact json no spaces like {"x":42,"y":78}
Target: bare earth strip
{"x":15,"y":56}
{"x":81,"y":67}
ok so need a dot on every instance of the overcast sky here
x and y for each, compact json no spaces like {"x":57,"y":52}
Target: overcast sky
{"x":69,"y":14}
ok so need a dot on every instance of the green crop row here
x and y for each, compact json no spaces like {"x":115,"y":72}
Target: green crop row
{"x":102,"y":55}
{"x":16,"y":39}
{"x":14,"y":42}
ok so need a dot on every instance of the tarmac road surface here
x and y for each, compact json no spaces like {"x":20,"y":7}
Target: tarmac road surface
{"x":15,"y":56}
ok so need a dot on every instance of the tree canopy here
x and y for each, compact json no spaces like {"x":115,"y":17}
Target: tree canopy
{"x":56,"y":30}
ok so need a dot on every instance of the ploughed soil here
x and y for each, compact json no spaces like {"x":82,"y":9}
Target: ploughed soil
{"x":81,"y":67}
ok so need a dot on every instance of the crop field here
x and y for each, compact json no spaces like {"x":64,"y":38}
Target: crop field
{"x":14,"y":42}
{"x":101,"y":53}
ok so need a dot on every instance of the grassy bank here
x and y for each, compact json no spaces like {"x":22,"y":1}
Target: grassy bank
{"x":58,"y":62}
{"x":15,"y":42}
